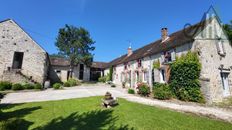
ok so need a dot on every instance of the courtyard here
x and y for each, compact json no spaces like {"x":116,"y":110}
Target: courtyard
{"x":87,"y":113}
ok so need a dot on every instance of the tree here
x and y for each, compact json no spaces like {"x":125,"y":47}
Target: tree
{"x":75,"y":44}
{"x":111,"y":73}
{"x":228,"y":30}
{"x":57,"y":56}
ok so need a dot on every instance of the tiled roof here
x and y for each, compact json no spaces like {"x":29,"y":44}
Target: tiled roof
{"x":175,"y":39}
{"x":57,"y":61}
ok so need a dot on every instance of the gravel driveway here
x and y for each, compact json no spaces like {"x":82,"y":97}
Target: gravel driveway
{"x":98,"y":90}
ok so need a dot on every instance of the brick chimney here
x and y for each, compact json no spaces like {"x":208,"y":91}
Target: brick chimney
{"x":164,"y":34}
{"x":129,"y":51}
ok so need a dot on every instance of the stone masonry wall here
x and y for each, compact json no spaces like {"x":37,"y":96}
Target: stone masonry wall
{"x":14,"y":39}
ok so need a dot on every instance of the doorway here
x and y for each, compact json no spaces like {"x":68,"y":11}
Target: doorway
{"x":17,"y":60}
{"x":81,"y":72}
{"x":225,"y":84}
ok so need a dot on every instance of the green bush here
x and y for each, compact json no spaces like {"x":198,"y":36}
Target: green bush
{"x":17,"y":87}
{"x":143,"y":89}
{"x":131,"y":91}
{"x":73,"y":82}
{"x":66,"y":84}
{"x":184,"y":79}
{"x":38,"y":86}
{"x":102,"y":79}
{"x":5,"y":85}
{"x":57,"y":86}
{"x":28,"y":86}
{"x":162,"y":91}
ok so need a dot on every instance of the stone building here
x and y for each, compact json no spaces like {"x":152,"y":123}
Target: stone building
{"x":60,"y":70}
{"x":21,"y":58}
{"x":207,"y":38}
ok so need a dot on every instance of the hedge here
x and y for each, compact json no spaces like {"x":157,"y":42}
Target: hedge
{"x":162,"y":91}
{"x":184,"y":78}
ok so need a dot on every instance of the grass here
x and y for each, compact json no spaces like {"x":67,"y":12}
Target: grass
{"x":86,"y":113}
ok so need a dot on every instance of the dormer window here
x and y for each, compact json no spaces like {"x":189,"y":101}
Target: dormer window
{"x":139,"y":63}
{"x":168,"y":56}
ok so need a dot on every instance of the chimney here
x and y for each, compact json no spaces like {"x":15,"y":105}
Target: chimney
{"x":164,"y":34}
{"x":129,"y":51}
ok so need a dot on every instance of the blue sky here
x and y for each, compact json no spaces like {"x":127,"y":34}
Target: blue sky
{"x":111,"y":23}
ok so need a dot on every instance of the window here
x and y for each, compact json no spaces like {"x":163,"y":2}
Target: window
{"x":169,"y":56}
{"x":139,"y":63}
{"x":125,"y":66}
{"x":18,"y":60}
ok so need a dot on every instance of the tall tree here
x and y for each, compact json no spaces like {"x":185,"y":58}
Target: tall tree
{"x":228,"y":29}
{"x":75,"y":44}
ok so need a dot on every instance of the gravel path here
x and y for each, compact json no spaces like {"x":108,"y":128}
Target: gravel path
{"x":87,"y":91}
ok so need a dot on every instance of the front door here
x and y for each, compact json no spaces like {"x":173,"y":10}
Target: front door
{"x":225,"y":84}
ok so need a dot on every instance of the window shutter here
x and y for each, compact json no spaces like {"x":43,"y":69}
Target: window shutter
{"x":218,"y":48}
{"x":173,"y":55}
{"x":162,"y":57}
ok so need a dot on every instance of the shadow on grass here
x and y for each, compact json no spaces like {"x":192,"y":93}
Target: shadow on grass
{"x":98,"y":119}
{"x":12,"y":120}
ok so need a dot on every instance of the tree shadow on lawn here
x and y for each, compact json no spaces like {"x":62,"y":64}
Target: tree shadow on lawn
{"x":98,"y":119}
{"x":12,"y":120}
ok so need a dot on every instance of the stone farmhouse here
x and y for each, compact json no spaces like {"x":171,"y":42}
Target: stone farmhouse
{"x":23,"y":60}
{"x":210,"y":43}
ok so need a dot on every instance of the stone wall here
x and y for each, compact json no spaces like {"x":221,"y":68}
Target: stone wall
{"x":206,"y":46}
{"x":14,"y":39}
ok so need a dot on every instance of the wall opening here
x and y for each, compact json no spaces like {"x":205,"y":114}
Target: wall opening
{"x":81,"y":74}
{"x":18,"y":60}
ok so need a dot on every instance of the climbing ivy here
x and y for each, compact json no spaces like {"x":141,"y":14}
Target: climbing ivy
{"x":184,"y":79}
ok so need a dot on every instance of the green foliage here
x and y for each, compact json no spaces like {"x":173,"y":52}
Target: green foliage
{"x":57,"y":86}
{"x":156,"y":64}
{"x":73,"y":82}
{"x":102,"y":79}
{"x":17,"y":86}
{"x":75,"y":44}
{"x":38,"y":86}
{"x":28,"y":86}
{"x":131,"y":91}
{"x":67,"y":84}
{"x":5,"y":85}
{"x":143,"y":89}
{"x":162,"y":91}
{"x":111,"y":74}
{"x":228,"y":30}
{"x":184,"y":80}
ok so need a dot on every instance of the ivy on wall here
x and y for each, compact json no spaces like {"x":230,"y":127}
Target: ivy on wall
{"x":184,"y":79}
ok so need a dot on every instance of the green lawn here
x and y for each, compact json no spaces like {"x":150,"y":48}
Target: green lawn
{"x":87,"y":114}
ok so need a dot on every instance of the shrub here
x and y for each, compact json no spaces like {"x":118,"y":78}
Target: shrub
{"x":38,"y":86}
{"x":184,"y":80}
{"x":73,"y":82}
{"x":162,"y":91}
{"x":5,"y":85}
{"x":66,"y":84}
{"x":113,"y":85}
{"x":28,"y":86}
{"x":57,"y":86}
{"x":102,"y":79}
{"x":17,"y":87}
{"x":143,"y":89}
{"x":131,"y":91}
